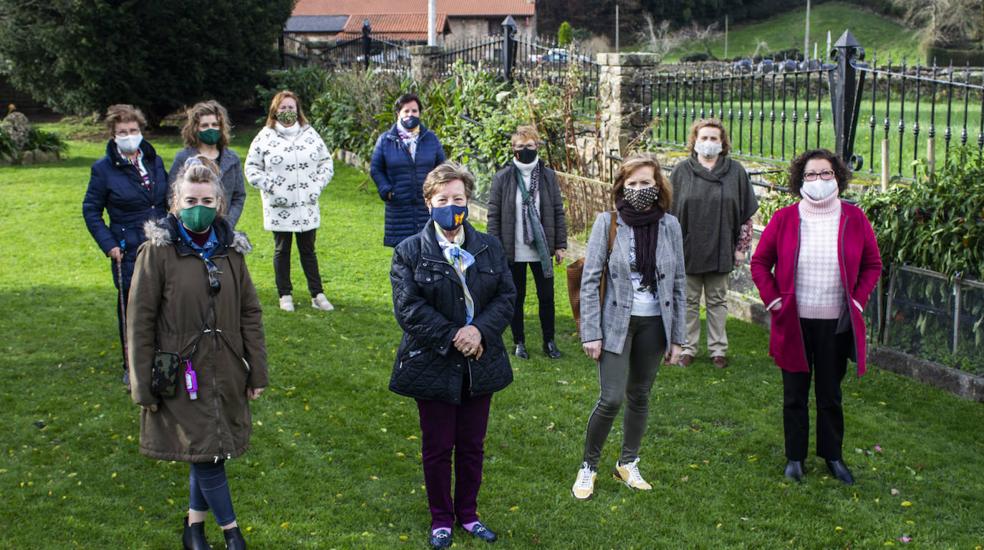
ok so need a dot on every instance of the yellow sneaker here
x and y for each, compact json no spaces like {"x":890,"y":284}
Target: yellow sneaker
{"x":630,"y":476}
{"x":584,"y":484}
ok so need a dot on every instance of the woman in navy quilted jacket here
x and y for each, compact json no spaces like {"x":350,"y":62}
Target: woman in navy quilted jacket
{"x":403,"y":157}
{"x":453,"y":295}
{"x":130,"y":185}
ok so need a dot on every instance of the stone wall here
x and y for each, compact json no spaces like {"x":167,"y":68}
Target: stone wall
{"x":623,"y":116}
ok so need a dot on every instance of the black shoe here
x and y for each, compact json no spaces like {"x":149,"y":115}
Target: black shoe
{"x":795,"y":470}
{"x":234,"y":539}
{"x":441,"y":539}
{"x":194,"y":536}
{"x":550,"y":348}
{"x":521,"y":351}
{"x":840,"y":471}
{"x":482,"y":532}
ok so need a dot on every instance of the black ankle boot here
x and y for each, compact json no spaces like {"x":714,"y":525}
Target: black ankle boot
{"x":795,"y":470}
{"x":521,"y":350}
{"x":840,"y":471}
{"x":194,"y":536}
{"x":550,"y":348}
{"x":234,"y":539}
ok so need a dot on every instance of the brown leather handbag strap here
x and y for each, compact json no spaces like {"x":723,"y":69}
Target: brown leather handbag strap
{"x":612,"y":227}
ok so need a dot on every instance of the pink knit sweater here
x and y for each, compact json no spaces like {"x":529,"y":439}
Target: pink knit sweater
{"x":819,"y":293}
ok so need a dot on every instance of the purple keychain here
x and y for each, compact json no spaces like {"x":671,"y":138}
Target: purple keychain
{"x":191,"y":380}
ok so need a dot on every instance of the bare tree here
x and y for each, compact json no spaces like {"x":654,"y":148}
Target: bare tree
{"x":946,"y":22}
{"x":656,"y":37}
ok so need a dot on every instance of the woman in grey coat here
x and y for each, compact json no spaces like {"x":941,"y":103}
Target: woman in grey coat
{"x":526,"y":212}
{"x":642,"y":318}
{"x":206,"y":132}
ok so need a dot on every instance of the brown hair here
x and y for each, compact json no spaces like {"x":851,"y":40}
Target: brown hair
{"x":525,"y":133}
{"x":198,"y":169}
{"x":275,"y":104}
{"x":708,"y":123}
{"x":445,"y":174}
{"x":189,"y":132}
{"x":407,"y":98}
{"x":122,"y":112}
{"x":634,"y":162}
{"x":798,"y":166}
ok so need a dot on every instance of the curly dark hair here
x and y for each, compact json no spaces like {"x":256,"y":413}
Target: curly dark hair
{"x":407,"y":98}
{"x":796,"y":169}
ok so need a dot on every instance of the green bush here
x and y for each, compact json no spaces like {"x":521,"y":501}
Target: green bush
{"x":935,"y":223}
{"x":307,"y":82}
{"x":39,"y":140}
{"x":565,"y":34}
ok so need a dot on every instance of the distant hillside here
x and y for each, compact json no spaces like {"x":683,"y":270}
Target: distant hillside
{"x":876,"y":33}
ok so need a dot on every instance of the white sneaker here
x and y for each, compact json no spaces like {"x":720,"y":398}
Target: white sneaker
{"x":584,"y":484}
{"x":629,"y":474}
{"x":287,"y":303}
{"x":322,"y":303}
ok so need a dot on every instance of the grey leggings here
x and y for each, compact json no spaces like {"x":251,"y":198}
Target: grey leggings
{"x":626,"y":376}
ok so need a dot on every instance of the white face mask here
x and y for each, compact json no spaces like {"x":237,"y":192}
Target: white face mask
{"x":708,"y":149}
{"x":818,"y":189}
{"x":128,"y":144}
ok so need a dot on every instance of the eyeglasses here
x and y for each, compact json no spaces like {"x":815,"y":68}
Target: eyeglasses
{"x":214,"y":283}
{"x":823,"y":174}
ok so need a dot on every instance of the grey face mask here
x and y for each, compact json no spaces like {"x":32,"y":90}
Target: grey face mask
{"x":641,"y":199}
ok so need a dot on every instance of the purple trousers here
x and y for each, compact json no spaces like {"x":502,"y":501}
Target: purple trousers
{"x":447,"y":428}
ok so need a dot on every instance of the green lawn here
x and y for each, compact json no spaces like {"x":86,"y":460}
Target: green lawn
{"x":875,"y":32}
{"x":336,"y":457}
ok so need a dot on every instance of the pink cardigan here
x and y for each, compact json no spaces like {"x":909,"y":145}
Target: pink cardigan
{"x":860,"y":268}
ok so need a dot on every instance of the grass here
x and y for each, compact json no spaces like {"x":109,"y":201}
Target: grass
{"x":335,"y":461}
{"x":786,"y":30}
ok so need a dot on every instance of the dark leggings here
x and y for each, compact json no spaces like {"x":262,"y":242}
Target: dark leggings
{"x":209,"y":490}
{"x":282,"y":241}
{"x":544,"y":294}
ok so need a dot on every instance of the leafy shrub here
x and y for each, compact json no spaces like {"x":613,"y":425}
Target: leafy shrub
{"x":309,"y":83}
{"x":8,"y":150}
{"x":695,"y":57}
{"x":565,"y":34}
{"x":935,"y":223}
{"x":48,"y":142}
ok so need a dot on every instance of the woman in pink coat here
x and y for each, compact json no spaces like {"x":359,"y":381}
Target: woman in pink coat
{"x":815,"y":267}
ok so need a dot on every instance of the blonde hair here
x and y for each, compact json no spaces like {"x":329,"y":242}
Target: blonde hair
{"x":445,"y":174}
{"x":636,"y":161}
{"x":525,"y":133}
{"x":198,"y":169}
{"x":122,"y":112}
{"x":275,"y":104}
{"x":189,"y":132}
{"x":708,"y":123}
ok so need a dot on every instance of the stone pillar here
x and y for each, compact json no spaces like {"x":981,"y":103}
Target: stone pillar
{"x":424,"y":62}
{"x":623,"y":114}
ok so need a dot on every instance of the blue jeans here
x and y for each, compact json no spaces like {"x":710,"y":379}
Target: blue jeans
{"x":210,"y":490}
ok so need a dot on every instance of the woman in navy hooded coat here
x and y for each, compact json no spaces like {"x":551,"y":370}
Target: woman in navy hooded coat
{"x":130,"y":185}
{"x":403,"y":157}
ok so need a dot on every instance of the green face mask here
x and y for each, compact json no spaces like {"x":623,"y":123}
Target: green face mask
{"x":210,"y":136}
{"x":287,"y":117}
{"x":198,"y":218}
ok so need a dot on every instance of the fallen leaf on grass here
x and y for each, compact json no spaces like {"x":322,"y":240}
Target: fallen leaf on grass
{"x":905,"y":539}
{"x":895,"y":492}
{"x":906,"y":504}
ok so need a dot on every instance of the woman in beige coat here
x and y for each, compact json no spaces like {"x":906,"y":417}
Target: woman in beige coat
{"x":192,"y":296}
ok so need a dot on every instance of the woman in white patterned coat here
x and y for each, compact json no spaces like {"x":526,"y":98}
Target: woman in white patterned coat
{"x":290,"y":165}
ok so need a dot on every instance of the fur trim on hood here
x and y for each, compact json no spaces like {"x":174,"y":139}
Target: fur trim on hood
{"x":163,"y":232}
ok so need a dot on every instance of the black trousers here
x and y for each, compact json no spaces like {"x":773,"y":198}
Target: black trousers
{"x":826,"y":354}
{"x":544,"y":294}
{"x":309,"y":261}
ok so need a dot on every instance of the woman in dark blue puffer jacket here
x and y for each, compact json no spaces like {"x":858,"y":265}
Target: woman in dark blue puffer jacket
{"x":403,"y":157}
{"x":130,"y":185}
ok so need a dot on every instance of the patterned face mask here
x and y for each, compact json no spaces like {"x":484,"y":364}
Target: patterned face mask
{"x":287,"y":118}
{"x":641,"y":199}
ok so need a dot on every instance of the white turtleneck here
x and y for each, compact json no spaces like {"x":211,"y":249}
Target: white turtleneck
{"x":287,"y":131}
{"x":525,"y":252}
{"x":819,"y":292}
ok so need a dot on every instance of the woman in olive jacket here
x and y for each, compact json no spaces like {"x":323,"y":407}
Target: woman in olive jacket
{"x":453,"y":296}
{"x":192,"y":295}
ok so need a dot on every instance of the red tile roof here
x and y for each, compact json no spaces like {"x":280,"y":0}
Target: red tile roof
{"x":393,"y":26}
{"x":453,"y":8}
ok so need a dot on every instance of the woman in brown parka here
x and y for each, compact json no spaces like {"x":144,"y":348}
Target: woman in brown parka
{"x":192,"y":295}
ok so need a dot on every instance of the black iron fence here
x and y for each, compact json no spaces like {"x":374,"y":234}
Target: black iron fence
{"x":776,"y":110}
{"x":363,"y":52}
{"x":485,"y":53}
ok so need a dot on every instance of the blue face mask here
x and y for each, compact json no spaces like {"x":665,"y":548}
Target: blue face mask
{"x":449,"y":217}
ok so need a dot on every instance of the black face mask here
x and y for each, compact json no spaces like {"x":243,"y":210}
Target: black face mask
{"x":410,"y":122}
{"x":525,"y":156}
